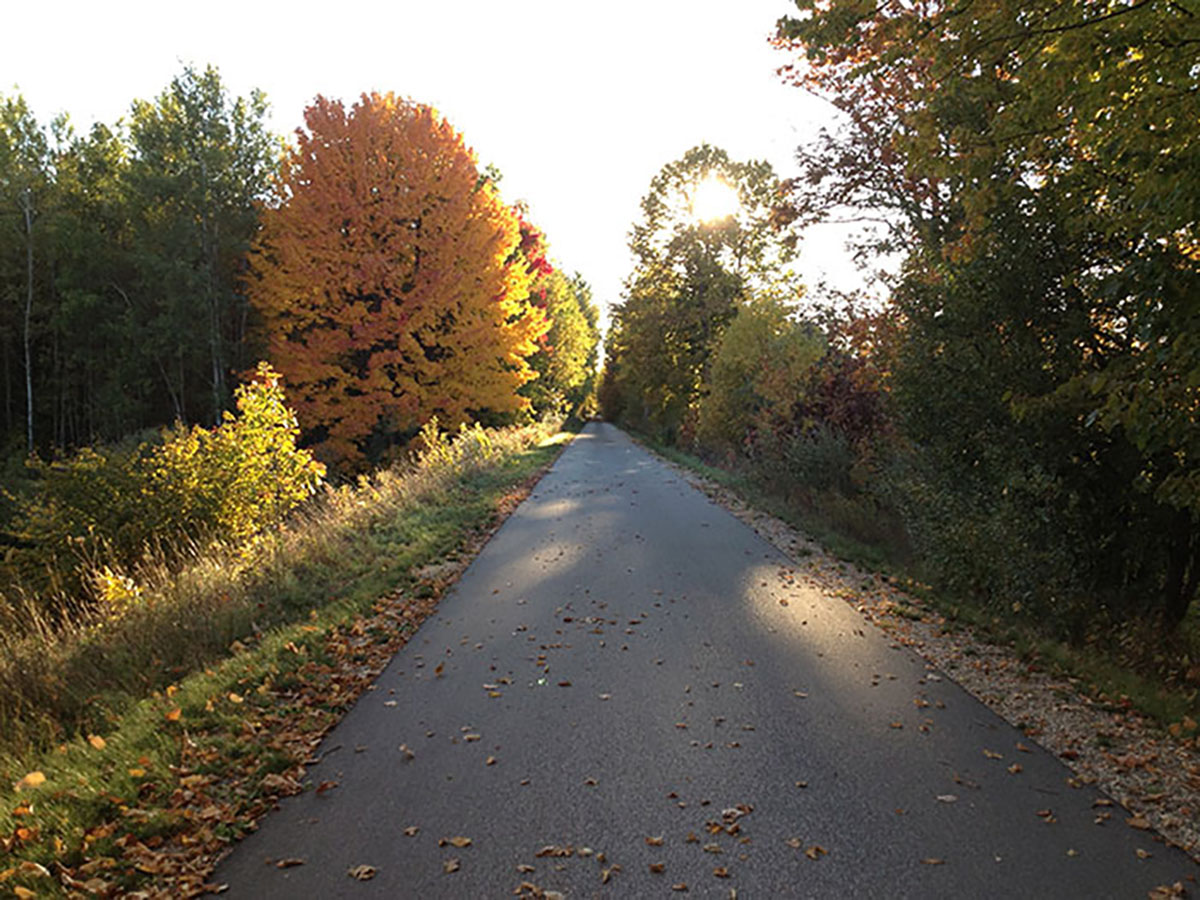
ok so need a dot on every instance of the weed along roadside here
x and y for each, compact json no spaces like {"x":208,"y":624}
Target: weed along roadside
{"x":173,"y":769}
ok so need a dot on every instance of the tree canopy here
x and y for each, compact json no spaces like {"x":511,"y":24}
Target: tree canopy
{"x":387,"y":277}
{"x":131,"y":236}
{"x":1038,"y":163}
{"x":690,"y":273}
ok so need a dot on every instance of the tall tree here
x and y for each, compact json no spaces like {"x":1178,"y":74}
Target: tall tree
{"x":98,"y":393}
{"x":136,"y":239}
{"x":1045,"y":166}
{"x":565,"y":360}
{"x":385,"y":273}
{"x":25,"y":180}
{"x":200,"y":165}
{"x":692,"y":267}
{"x":566,"y":357}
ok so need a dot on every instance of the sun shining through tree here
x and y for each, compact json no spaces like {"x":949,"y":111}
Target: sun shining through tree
{"x":714,"y":199}
{"x":708,"y":238}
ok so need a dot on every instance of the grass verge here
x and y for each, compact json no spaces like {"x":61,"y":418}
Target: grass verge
{"x":200,"y":703}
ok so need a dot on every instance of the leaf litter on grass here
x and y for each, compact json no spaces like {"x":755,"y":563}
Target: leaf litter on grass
{"x":165,"y":841}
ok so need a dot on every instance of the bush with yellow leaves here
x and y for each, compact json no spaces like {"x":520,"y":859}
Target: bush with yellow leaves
{"x":100,"y":513}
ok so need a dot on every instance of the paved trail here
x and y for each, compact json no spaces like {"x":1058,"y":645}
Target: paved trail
{"x":619,"y":667}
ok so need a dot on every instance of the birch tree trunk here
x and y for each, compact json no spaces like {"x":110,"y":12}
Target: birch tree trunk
{"x":27,"y":209}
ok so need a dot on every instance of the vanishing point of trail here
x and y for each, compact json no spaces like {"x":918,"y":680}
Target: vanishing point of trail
{"x":634,"y":697}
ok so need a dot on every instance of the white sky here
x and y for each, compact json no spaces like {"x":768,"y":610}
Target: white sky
{"x":579,"y":105}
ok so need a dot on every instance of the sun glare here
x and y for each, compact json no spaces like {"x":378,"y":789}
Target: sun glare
{"x":714,"y":199}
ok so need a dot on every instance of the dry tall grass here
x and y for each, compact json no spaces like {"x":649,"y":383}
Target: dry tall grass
{"x":77,"y":672}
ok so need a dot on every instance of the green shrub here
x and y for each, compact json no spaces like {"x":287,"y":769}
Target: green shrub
{"x":102,"y":510}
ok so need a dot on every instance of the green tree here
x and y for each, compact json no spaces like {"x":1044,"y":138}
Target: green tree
{"x":25,"y":183}
{"x":127,"y":240}
{"x":91,"y":391}
{"x":1047,"y":177}
{"x":690,"y":272}
{"x":200,"y":164}
{"x":566,"y":360}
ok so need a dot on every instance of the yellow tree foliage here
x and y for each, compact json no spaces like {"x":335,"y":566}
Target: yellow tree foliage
{"x":387,"y":279}
{"x":759,"y":371}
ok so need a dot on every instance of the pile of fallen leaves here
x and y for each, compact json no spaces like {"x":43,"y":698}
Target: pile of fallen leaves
{"x":239,"y":752}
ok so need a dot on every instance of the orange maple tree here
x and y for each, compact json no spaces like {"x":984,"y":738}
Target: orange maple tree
{"x":387,"y":278}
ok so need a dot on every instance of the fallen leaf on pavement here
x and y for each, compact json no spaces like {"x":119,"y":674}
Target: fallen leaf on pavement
{"x":361,"y":873}
{"x":816,"y":851}
{"x":657,"y":868}
{"x":458,"y":841}
{"x":933,"y":861}
{"x":411,"y":831}
{"x":721,"y":872}
{"x":1139,"y":822}
{"x":450,"y":866}
{"x":655,"y":841}
{"x":1168,"y":891}
{"x":289,"y":862}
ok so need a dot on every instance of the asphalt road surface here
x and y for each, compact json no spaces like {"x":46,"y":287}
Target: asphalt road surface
{"x":627,"y":706}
